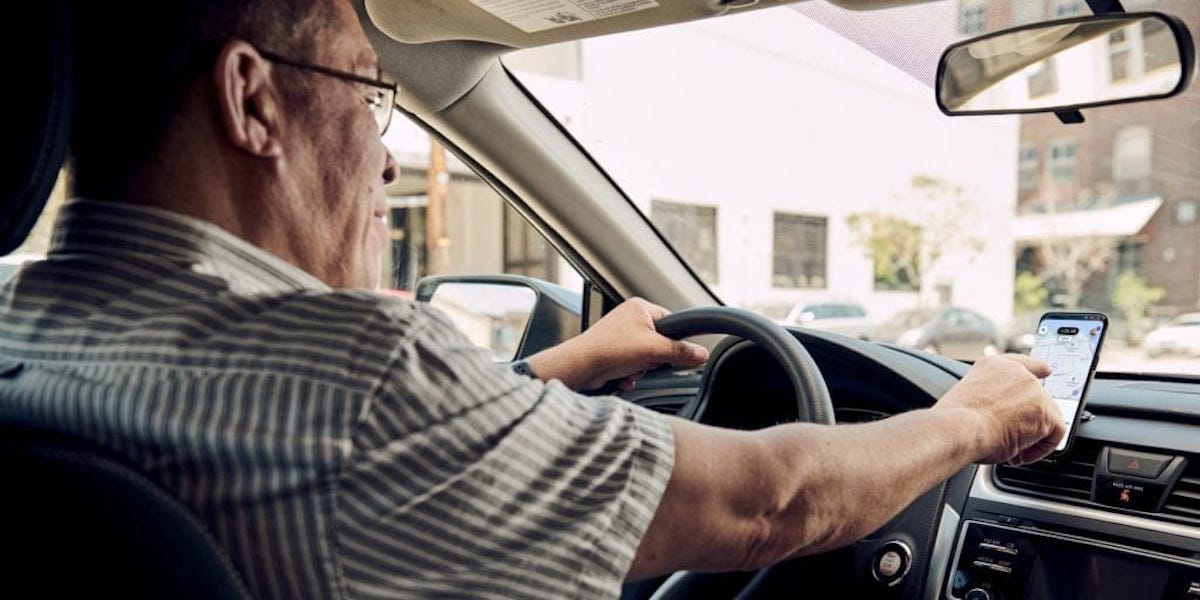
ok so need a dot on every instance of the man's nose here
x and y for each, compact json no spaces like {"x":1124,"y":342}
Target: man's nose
{"x":390,"y":169}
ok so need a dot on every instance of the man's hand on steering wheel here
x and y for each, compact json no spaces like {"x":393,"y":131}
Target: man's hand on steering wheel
{"x":622,"y":346}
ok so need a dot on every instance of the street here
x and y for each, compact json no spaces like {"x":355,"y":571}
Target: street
{"x":1116,"y":356}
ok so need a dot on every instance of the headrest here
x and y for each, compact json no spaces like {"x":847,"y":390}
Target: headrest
{"x":39,"y":94}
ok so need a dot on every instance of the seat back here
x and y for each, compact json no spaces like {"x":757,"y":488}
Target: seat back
{"x":75,"y":522}
{"x":38,"y":124}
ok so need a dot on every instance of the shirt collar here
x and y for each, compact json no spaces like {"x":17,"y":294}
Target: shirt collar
{"x":134,"y":232}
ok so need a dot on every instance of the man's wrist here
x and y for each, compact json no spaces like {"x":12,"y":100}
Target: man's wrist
{"x":574,"y":362}
{"x":967,"y":426}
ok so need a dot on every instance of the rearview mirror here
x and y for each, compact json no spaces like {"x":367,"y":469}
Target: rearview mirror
{"x":1067,"y":65}
{"x":512,"y":316}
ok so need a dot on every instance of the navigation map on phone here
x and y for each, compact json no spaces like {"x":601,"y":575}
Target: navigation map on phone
{"x":1069,"y":346}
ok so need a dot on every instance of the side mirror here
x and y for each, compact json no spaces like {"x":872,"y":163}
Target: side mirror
{"x":1067,"y":65}
{"x":511,"y":315}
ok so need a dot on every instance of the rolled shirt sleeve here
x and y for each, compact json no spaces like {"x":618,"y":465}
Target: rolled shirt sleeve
{"x":468,"y":480}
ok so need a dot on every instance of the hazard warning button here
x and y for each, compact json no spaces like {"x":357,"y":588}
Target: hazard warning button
{"x":1137,"y":464}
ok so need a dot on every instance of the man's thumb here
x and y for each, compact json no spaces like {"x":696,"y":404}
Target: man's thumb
{"x":687,"y":354}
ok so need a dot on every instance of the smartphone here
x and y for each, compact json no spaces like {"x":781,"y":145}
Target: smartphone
{"x":1070,"y":343}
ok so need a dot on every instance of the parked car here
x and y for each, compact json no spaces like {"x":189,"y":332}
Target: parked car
{"x":846,"y":318}
{"x":955,"y":332}
{"x":1180,"y":336}
{"x":1018,"y":334}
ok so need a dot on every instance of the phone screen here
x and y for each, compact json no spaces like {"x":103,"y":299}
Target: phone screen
{"x":1070,"y":343}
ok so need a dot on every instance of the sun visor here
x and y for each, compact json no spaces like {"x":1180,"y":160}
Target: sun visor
{"x":875,"y":4}
{"x":525,"y":23}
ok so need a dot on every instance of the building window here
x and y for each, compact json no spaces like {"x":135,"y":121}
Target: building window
{"x":1067,"y":8}
{"x":1186,"y":212}
{"x":1042,"y":78}
{"x":692,"y":231}
{"x":1027,"y":260}
{"x":1060,"y":161}
{"x":799,"y":251}
{"x":972,"y":16}
{"x":1158,"y":45}
{"x":1120,"y":56}
{"x":1129,"y":257}
{"x":1027,"y":167}
{"x":1132,"y":153}
{"x":409,"y":263}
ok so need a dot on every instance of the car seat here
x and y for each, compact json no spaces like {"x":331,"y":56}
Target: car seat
{"x":74,"y":521}
{"x":77,"y":523}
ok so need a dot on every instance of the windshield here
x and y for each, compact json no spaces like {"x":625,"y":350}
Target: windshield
{"x":795,"y":156}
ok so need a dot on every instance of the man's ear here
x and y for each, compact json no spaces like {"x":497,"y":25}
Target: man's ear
{"x":249,"y":104}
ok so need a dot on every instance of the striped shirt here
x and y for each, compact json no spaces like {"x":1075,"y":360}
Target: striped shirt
{"x":338,"y":444}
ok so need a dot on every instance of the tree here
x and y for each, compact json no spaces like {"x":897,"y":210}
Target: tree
{"x":933,"y":220}
{"x":1132,"y":297}
{"x":1029,"y":292}
{"x":1072,"y":261}
{"x":1068,"y":259}
{"x":894,"y":245}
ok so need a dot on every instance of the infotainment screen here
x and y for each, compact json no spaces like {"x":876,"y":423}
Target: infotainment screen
{"x":1072,"y":571}
{"x":1000,"y":562}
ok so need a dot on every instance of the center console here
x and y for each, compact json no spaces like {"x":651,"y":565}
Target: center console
{"x":1118,"y":518}
{"x":1003,"y":562}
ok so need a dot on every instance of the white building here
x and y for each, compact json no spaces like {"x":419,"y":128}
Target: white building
{"x":781,"y":145}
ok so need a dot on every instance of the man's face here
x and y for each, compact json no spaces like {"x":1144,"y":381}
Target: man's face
{"x":340,"y":165}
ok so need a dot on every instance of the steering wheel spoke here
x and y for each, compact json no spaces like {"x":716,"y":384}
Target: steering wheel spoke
{"x":812,"y":403}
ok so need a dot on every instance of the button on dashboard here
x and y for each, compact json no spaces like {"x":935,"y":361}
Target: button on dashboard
{"x":1007,"y":570}
{"x":1009,"y":550}
{"x":1137,"y":464}
{"x":978,"y":594}
{"x":892,"y":562}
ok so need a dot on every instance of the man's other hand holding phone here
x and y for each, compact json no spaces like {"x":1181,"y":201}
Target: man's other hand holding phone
{"x":1016,"y":420}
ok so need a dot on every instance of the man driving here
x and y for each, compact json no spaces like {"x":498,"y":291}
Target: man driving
{"x":205,"y":312}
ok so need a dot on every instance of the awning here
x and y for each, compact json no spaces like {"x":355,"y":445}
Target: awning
{"x":1122,"y":220}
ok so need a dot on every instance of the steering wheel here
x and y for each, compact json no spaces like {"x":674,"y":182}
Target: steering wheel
{"x":812,"y":396}
{"x":843,"y":569}
{"x":812,"y":400}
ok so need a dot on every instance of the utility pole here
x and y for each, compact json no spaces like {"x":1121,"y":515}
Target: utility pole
{"x":437,"y":179}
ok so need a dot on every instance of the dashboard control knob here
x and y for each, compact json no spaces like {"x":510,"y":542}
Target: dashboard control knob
{"x":978,"y":594}
{"x":891,"y":563}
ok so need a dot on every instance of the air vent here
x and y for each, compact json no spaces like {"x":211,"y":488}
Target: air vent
{"x":1184,"y":501}
{"x":1070,"y":479}
{"x":1067,"y":478}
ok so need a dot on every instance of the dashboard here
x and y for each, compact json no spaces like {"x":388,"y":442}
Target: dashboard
{"x":1117,"y":517}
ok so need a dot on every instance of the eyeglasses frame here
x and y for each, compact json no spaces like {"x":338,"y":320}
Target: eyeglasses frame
{"x":391,"y":89}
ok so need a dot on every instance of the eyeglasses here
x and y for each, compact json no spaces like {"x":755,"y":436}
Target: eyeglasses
{"x":381,"y":101}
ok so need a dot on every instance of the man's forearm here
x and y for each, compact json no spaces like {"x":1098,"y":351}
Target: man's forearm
{"x":841,"y":483}
{"x":745,"y":499}
{"x":563,"y":362}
